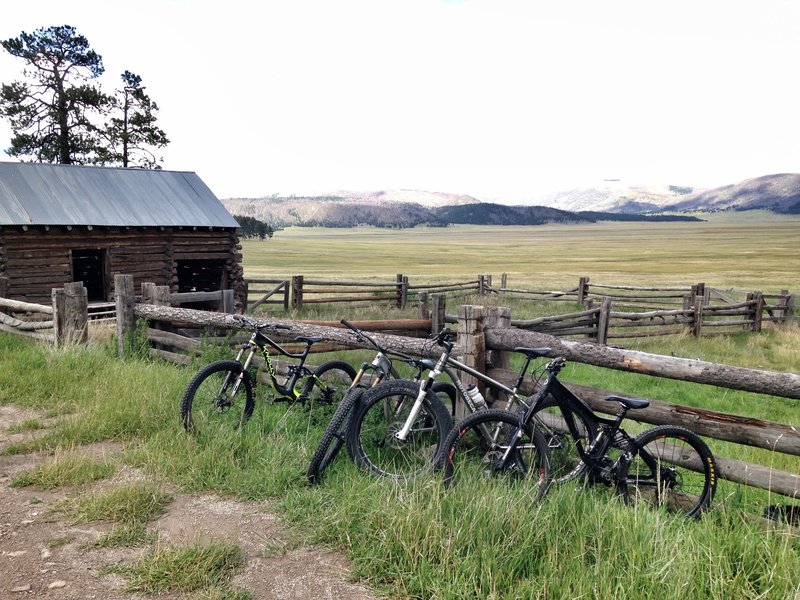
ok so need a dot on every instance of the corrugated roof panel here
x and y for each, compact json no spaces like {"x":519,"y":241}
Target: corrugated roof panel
{"x":46,"y":194}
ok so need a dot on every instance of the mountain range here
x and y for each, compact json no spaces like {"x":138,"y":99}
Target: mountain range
{"x":610,"y":201}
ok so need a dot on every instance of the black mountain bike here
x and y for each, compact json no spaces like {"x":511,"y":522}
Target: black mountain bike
{"x":368,"y":377}
{"x":667,"y":466}
{"x":220,"y":395}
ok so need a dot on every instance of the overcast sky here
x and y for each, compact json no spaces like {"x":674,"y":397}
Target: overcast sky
{"x":502,"y":100}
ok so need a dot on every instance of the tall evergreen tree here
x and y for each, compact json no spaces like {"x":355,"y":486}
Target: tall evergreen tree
{"x":131,"y":133}
{"x":54,"y":113}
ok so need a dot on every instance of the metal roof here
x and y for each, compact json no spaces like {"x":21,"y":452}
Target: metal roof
{"x":50,"y":194}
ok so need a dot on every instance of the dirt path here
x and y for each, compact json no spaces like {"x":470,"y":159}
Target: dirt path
{"x":43,"y":556}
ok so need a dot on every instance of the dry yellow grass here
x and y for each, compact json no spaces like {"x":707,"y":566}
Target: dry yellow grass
{"x":748,"y":251}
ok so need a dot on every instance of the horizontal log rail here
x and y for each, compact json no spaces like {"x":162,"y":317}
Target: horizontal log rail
{"x":786,"y":385}
{"x":18,"y":306}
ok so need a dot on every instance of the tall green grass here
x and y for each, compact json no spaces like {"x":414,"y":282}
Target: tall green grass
{"x":416,"y":540}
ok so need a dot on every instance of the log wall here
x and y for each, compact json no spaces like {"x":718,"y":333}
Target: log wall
{"x":35,"y":260}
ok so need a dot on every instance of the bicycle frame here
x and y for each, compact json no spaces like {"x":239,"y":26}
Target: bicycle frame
{"x":258,"y":341}
{"x":450,"y":366}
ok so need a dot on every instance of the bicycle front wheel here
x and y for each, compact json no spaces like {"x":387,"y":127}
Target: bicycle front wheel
{"x":330,"y":383}
{"x":672,"y":467}
{"x":218,"y":397}
{"x":334,"y":436}
{"x":372,"y":439}
{"x":493,"y":444}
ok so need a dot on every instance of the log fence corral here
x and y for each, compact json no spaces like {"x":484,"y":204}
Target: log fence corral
{"x":609,"y":312}
{"x":487,"y":336}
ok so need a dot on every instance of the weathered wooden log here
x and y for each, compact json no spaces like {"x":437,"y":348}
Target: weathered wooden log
{"x":786,"y":385}
{"x":381,"y":325}
{"x":47,"y":337}
{"x":24,"y":325}
{"x":342,"y":336}
{"x":552,"y":319}
{"x":766,"y":478}
{"x":25,"y":306}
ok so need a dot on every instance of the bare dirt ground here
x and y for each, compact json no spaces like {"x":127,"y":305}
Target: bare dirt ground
{"x":42,"y":555}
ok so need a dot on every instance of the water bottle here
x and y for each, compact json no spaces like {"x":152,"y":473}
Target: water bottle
{"x":474,"y":393}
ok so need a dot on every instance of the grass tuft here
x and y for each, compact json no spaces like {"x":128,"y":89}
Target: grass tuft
{"x":127,"y":505}
{"x":185,"y":569}
{"x":65,"y":469}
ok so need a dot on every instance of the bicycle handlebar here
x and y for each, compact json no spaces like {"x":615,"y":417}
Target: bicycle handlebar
{"x":445,"y":338}
{"x":555,"y":365}
{"x":364,"y":337}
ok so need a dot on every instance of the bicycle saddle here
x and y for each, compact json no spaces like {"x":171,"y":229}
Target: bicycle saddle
{"x":629,"y":402}
{"x":533,"y":352}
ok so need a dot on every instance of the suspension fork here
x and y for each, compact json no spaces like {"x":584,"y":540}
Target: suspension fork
{"x":424,"y":386}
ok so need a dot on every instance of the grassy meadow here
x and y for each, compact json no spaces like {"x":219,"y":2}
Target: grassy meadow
{"x":750,"y":251}
{"x":418,"y":540}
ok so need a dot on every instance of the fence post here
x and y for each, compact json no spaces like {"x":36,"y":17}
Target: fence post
{"x":148,"y":292}
{"x":698,"y":290}
{"x":422,"y":300}
{"x":161,"y":296}
{"x":503,"y":282}
{"x":437,"y":312}
{"x":297,"y":292}
{"x":57,"y":296}
{"x":481,"y":285}
{"x":788,"y":312}
{"x":399,"y":289}
{"x":227,"y":302}
{"x":583,"y":289}
{"x":245,"y":293}
{"x":76,"y":315}
{"x":472,"y":344}
{"x":757,"y":310}
{"x":286,"y":295}
{"x":125,"y":299}
{"x":404,"y":292}
{"x":697,"y":317}
{"x":497,"y":317}
{"x":602,"y":320}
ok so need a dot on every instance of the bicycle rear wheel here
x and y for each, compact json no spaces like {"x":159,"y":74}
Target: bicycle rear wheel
{"x":565,"y":461}
{"x":672,"y":468}
{"x":381,"y":414}
{"x":334,"y":436}
{"x":218,"y":397}
{"x":330,"y":383}
{"x":474,"y":448}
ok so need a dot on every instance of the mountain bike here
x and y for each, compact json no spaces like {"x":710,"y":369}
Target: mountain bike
{"x":388,"y":437}
{"x":378,"y":370}
{"x":220,"y":395}
{"x":667,"y":466}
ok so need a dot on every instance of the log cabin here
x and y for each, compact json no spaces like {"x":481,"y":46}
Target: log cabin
{"x":67,"y":223}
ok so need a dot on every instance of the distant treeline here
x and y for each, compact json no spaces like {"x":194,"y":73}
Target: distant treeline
{"x":331,"y":212}
{"x":253,"y":228}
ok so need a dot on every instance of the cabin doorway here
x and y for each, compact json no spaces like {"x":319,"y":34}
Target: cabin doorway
{"x":89,"y":266}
